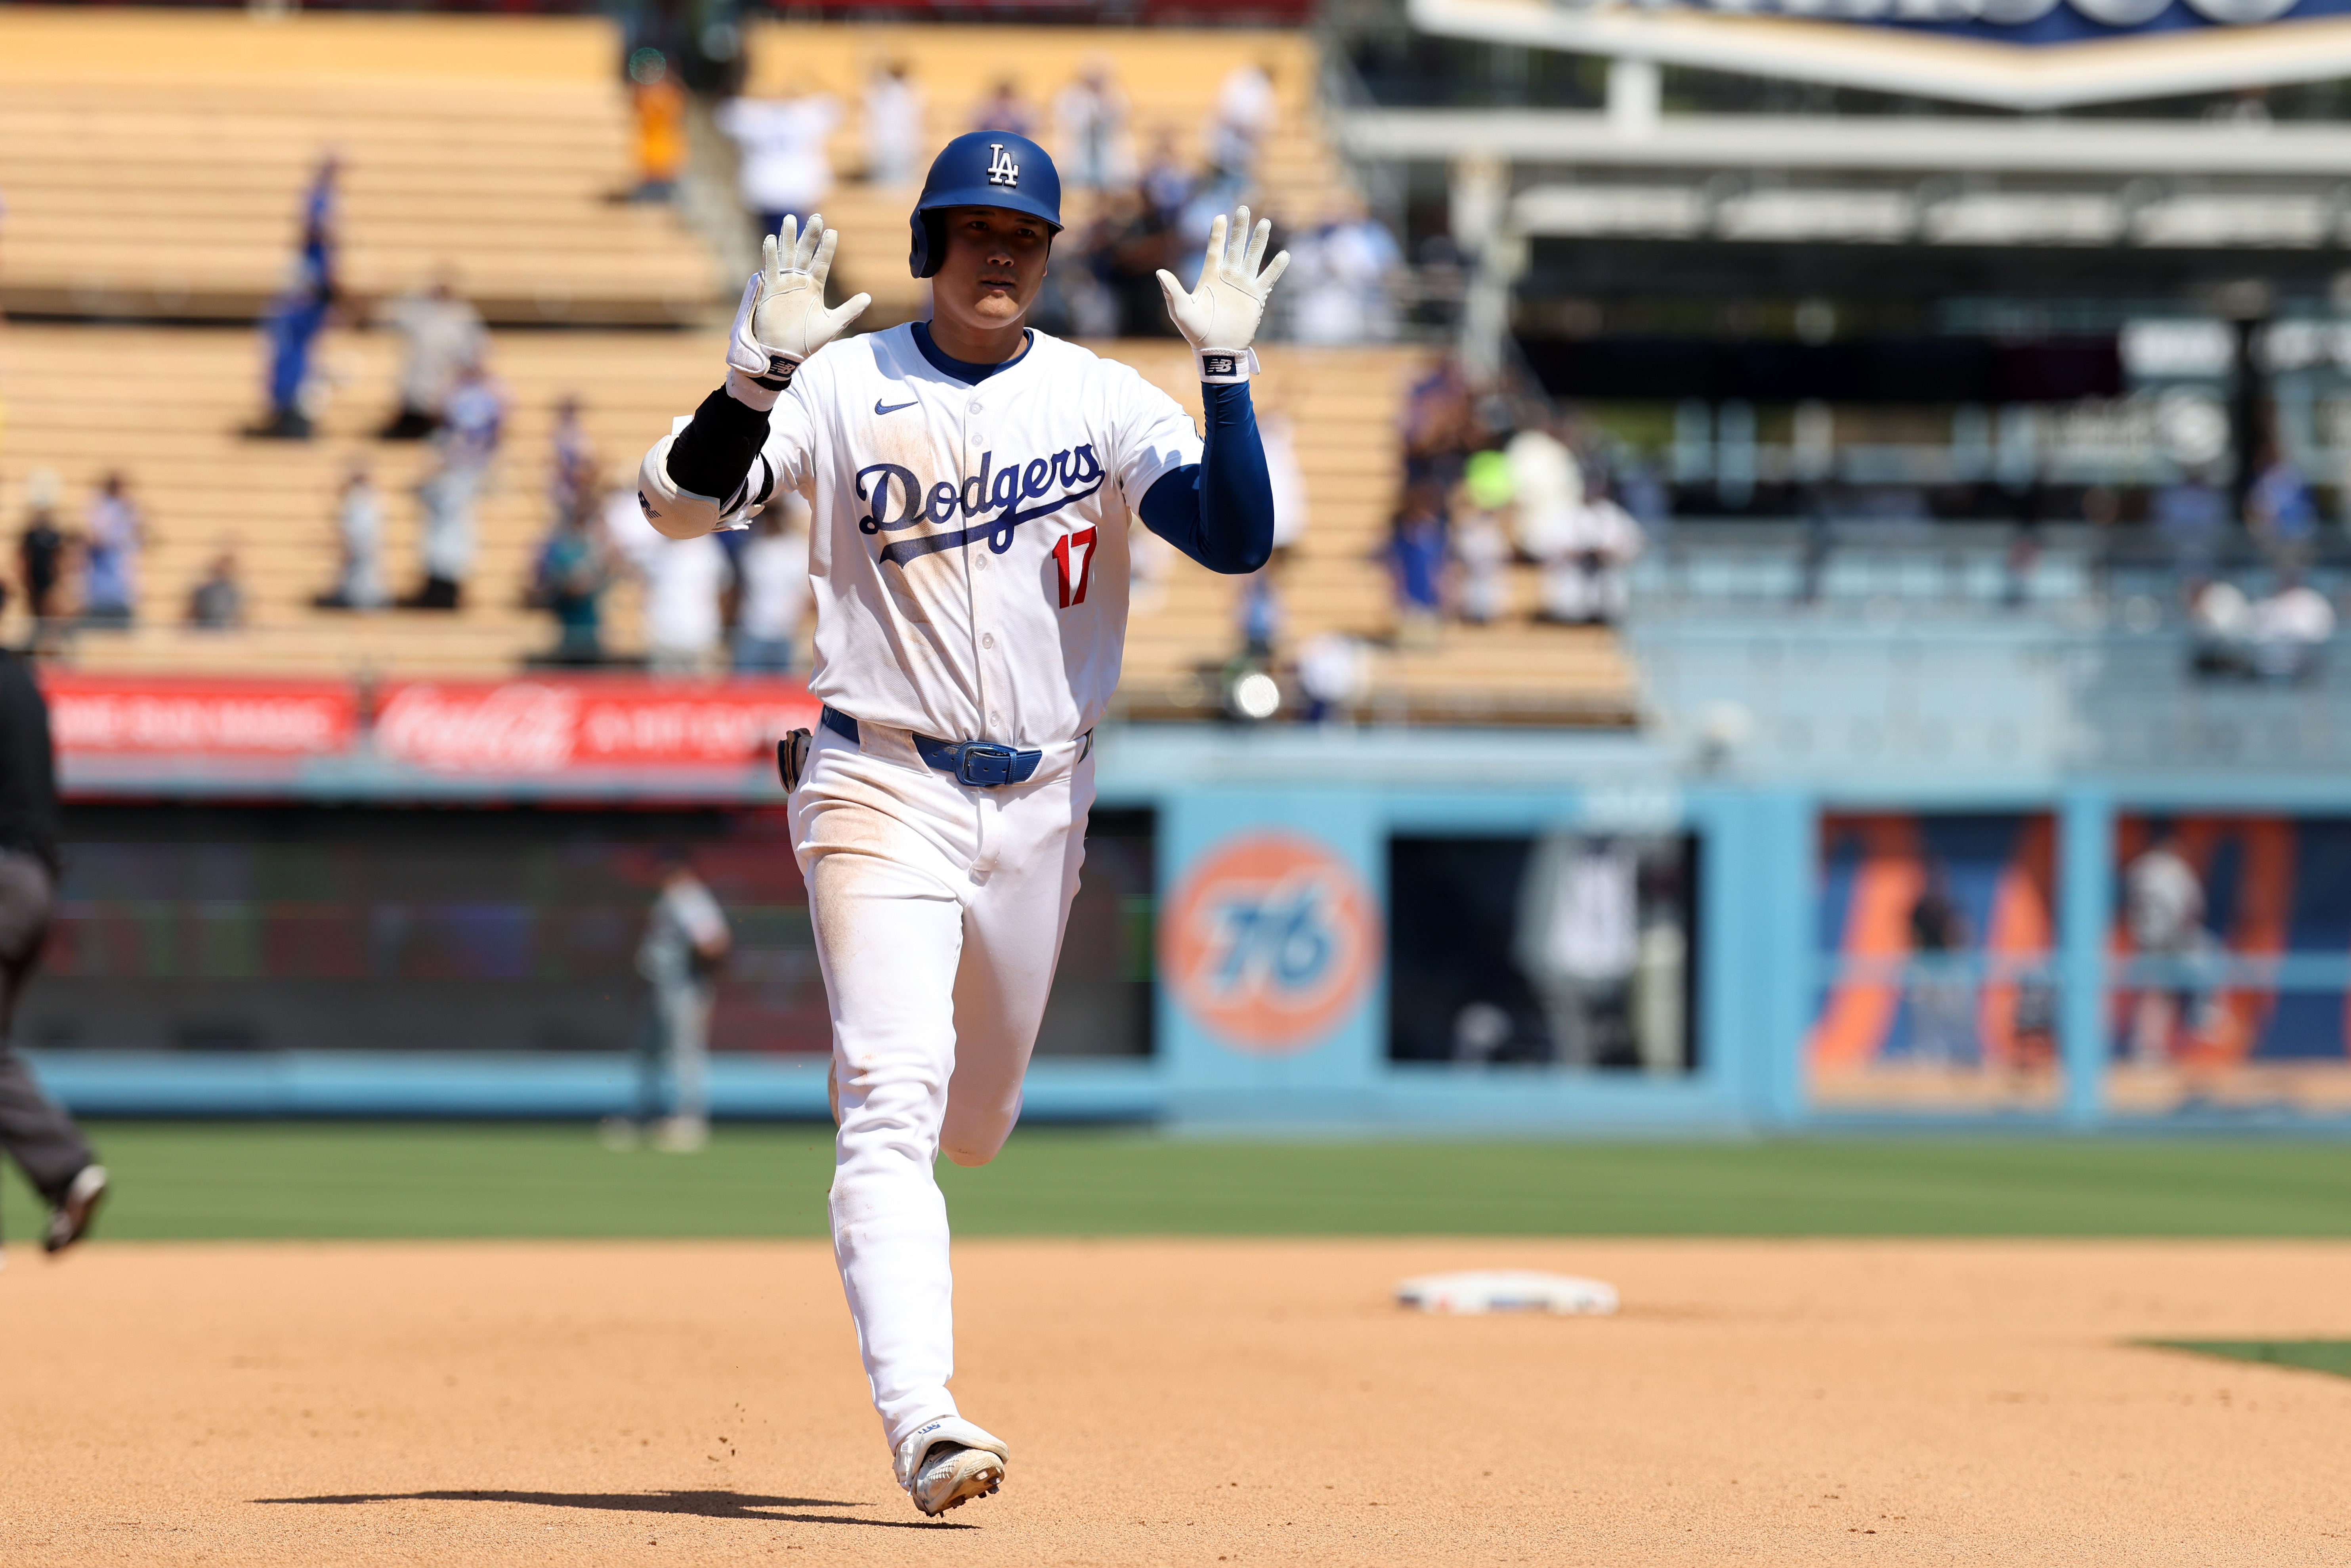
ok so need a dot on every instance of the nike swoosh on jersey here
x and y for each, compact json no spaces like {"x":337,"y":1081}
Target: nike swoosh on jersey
{"x":894,"y":407}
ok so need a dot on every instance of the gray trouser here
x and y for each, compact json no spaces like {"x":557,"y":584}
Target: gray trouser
{"x":677,"y":1038}
{"x":34,"y":1131}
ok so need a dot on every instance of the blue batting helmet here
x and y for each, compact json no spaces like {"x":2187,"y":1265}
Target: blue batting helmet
{"x":982,"y":169}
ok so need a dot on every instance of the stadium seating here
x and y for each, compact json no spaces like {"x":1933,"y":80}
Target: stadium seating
{"x":157,"y":169}
{"x":204,"y":489}
{"x":1171,"y":78}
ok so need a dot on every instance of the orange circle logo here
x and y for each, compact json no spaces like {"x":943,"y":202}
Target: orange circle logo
{"x":1271,"y":941}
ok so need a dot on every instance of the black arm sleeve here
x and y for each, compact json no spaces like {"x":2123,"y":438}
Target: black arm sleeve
{"x":714,"y":453}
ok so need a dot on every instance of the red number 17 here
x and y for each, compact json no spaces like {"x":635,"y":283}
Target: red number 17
{"x":1074,"y":555}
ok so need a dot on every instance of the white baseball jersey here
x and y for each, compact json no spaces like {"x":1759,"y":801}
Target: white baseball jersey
{"x":968,"y":545}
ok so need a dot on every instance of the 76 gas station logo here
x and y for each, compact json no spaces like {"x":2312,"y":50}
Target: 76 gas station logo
{"x":1271,"y":941}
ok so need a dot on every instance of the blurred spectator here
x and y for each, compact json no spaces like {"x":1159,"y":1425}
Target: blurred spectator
{"x":1005,"y":110}
{"x":1279,"y":435}
{"x":2279,"y":510}
{"x":440,"y":334}
{"x":112,"y":535}
{"x":1335,"y":674}
{"x":1644,"y":495}
{"x":568,"y":582}
{"x":893,"y":126}
{"x":683,"y":581}
{"x":572,"y":480}
{"x":1439,"y":424}
{"x":2289,"y":628}
{"x":1090,"y":126}
{"x":786,"y":170}
{"x":473,"y":422}
{"x":1245,"y":116}
{"x":1416,"y":562}
{"x":217,"y":603}
{"x":658,"y":104}
{"x":1139,"y":241}
{"x":1578,"y":939}
{"x":1166,"y":183}
{"x":2221,"y":622}
{"x":2192,"y":518}
{"x":1077,"y":300}
{"x":1587,"y":582}
{"x":291,"y":327}
{"x":1259,"y":605}
{"x":2163,"y":910}
{"x":41,"y":550}
{"x":359,"y":529}
{"x":776,"y":594}
{"x":1346,"y":269}
{"x":1481,"y":543}
{"x":1942,"y":995}
{"x":2275,"y":638}
{"x":1546,"y":487}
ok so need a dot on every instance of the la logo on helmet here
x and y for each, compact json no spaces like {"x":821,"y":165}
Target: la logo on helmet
{"x":1002,"y":170}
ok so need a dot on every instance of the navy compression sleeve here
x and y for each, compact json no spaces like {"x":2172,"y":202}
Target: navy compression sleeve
{"x":714,"y":454}
{"x":1218,"y":511}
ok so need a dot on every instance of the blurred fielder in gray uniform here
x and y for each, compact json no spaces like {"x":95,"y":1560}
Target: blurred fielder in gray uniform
{"x":685,"y":941}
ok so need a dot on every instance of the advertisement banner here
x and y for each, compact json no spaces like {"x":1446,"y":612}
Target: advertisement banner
{"x":159,"y":715}
{"x":518,"y":726}
{"x":1271,"y":942}
{"x":548,"y":725}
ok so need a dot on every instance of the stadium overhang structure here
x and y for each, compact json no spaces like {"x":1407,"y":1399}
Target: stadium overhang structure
{"x":2161,"y":200}
{"x":2020,"y":54}
{"x":2176,"y":214}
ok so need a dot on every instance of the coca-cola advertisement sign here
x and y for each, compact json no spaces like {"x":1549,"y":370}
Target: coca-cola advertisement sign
{"x":235,"y":718}
{"x":548,"y":726}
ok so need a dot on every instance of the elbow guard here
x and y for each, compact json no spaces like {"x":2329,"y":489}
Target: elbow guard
{"x":681,"y":514}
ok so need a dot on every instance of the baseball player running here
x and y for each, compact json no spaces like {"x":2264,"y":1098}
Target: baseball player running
{"x":972,"y":481}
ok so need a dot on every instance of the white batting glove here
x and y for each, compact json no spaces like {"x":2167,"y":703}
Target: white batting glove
{"x":782,"y":319}
{"x":1219,"y":318}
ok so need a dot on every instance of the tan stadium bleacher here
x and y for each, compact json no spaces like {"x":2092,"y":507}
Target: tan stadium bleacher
{"x":1171,"y":77}
{"x":151,"y":162}
{"x":154,"y":166}
{"x":202,"y":489}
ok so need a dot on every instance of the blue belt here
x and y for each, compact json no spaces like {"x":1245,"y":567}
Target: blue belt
{"x":984,"y":764}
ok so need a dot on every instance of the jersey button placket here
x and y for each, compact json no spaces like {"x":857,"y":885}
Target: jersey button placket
{"x":974,"y":440}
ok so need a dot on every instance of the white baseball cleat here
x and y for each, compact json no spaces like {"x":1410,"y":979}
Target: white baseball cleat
{"x":949,"y":1461}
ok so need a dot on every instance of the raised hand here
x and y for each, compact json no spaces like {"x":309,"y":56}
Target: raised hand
{"x":782,"y":319}
{"x":1219,"y":318}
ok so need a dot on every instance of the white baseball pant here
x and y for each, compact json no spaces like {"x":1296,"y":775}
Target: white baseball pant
{"x":938,"y":911}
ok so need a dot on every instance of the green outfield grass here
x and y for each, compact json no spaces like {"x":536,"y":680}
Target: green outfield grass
{"x":2332,"y":1355}
{"x":236,"y":1180}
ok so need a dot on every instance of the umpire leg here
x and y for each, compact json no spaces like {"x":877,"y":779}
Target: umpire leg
{"x":39,"y":1135}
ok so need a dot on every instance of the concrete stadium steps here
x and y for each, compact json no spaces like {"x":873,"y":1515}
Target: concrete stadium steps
{"x":156,"y":168}
{"x":203,"y":488}
{"x":1170,"y":77}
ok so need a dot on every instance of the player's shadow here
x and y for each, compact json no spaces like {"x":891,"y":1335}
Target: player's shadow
{"x":708,"y":1504}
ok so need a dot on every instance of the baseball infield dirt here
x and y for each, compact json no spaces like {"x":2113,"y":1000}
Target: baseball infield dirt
{"x":1175,"y":1402}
